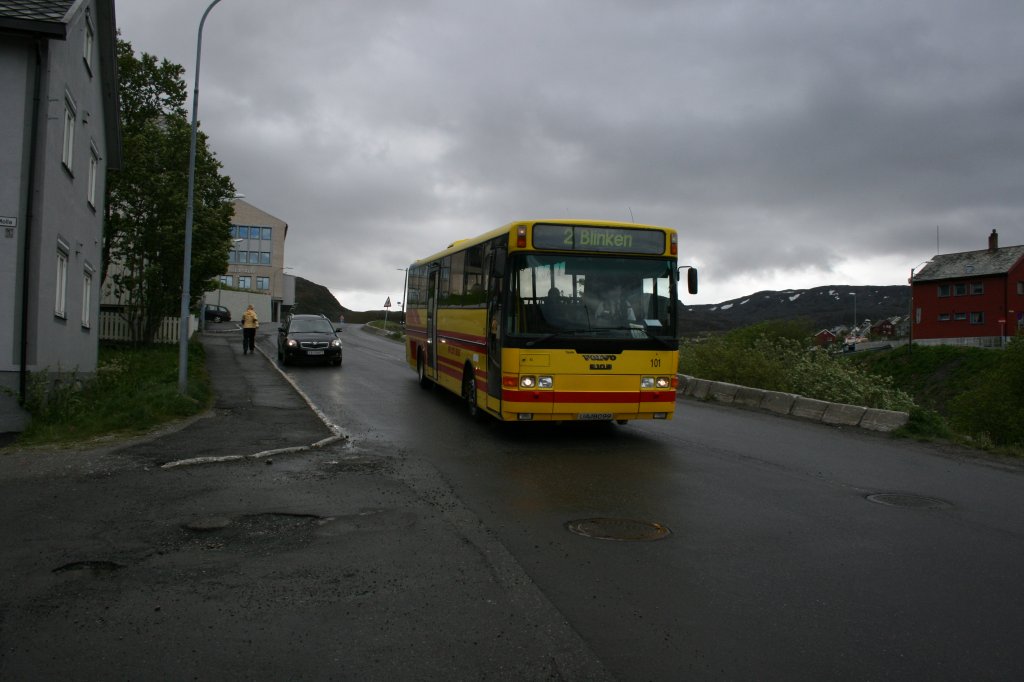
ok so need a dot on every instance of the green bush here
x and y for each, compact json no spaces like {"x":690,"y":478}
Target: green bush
{"x":994,"y":410}
{"x":134,"y":389}
{"x":762,"y":357}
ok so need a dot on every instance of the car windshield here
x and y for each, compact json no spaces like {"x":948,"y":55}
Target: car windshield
{"x":322,"y":326}
{"x":590,"y":296}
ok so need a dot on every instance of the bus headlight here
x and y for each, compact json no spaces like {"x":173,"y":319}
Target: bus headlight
{"x":646,"y":382}
{"x":536,"y":382}
{"x":663,"y":382}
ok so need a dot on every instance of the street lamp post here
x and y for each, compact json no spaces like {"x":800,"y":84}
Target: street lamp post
{"x":854,"y":294}
{"x":913,"y":312}
{"x":405,"y":287}
{"x":187,"y":267}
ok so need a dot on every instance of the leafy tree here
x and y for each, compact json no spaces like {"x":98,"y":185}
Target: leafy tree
{"x":144,"y":231}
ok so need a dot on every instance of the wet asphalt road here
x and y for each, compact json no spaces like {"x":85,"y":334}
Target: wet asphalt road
{"x":797,"y":551}
{"x":429,"y":546}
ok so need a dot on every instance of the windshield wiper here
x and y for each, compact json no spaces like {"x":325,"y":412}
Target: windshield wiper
{"x":667,"y":343}
{"x":553,"y":335}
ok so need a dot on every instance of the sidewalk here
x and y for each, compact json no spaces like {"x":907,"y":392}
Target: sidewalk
{"x":257,"y":412}
{"x":334,"y":562}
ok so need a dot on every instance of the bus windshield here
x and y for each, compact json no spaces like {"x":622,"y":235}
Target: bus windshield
{"x":600,"y":297}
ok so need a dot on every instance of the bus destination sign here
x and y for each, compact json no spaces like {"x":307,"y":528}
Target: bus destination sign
{"x":598,"y":238}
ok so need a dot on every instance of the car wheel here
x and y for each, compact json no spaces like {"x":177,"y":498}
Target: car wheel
{"x":217,"y":319}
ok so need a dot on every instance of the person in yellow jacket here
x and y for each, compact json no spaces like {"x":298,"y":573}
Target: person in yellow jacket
{"x":250,"y":323}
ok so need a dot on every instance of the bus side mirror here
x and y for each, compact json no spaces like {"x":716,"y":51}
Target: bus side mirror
{"x":691,"y":278}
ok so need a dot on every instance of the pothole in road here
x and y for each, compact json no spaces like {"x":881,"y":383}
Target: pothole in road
{"x":908,"y":501}
{"x":93,"y":567}
{"x":273,"y":529}
{"x":628,"y":530}
{"x":355,"y":464}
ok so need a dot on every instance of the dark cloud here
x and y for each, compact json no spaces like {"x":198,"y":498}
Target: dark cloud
{"x":792,"y":143}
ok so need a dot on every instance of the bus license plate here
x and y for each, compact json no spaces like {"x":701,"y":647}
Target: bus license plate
{"x":314,"y":352}
{"x":595,"y":416}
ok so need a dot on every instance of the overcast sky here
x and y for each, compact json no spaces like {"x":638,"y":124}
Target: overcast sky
{"x":792,"y":144}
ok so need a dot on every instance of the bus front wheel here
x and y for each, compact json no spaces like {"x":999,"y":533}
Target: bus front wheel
{"x":421,"y":371}
{"x":469,"y":391}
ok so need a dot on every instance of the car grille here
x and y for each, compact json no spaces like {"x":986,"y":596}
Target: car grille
{"x":314,"y":345}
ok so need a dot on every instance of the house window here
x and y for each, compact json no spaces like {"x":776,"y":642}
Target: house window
{"x":943,"y":290}
{"x":959,"y":317}
{"x":264,"y":258}
{"x":61,"y":299}
{"x":977,"y":318}
{"x":244,"y":282}
{"x":70,"y":114}
{"x":94,"y":167}
{"x":977,"y":287}
{"x":943,"y":317}
{"x":263,"y":283}
{"x":266,"y":234}
{"x":243,"y":256}
{"x":960,"y":289}
{"x":1020,"y":288}
{"x":90,"y":40}
{"x":232,"y":256}
{"x":254,"y":257}
{"x":87,"y":299}
{"x":243,"y":231}
{"x":226,"y":280}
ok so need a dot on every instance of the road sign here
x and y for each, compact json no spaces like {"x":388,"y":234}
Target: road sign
{"x":387,"y":303}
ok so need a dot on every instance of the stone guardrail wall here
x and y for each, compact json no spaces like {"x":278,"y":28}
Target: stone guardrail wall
{"x":790,"y":404}
{"x":786,"y":404}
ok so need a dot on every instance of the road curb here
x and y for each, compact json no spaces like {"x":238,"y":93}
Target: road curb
{"x":790,"y":404}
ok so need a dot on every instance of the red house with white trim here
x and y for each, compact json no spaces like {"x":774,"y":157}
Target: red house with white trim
{"x":974,"y":298}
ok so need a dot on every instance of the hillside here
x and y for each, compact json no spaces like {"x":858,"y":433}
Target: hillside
{"x":822,"y":307}
{"x":311,"y":297}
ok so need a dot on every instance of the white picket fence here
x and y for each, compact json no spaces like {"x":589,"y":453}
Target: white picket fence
{"x":113,"y":327}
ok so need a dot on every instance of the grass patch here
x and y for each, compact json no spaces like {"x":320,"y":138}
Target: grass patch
{"x":135,"y":389}
{"x":395,"y":330}
{"x":971,"y":396}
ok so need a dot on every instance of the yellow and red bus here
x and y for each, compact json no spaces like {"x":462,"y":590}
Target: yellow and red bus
{"x":551,"y":320}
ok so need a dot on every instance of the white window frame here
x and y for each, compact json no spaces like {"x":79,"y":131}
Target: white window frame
{"x":70,"y":118}
{"x":61,"y":295}
{"x":87,"y":298}
{"x":94,"y":169}
{"x":90,"y":41}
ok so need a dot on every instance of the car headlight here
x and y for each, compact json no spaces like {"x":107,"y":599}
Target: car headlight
{"x":291,"y":343}
{"x":336,"y":343}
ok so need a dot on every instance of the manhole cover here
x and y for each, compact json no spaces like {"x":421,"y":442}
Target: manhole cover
{"x":908,"y":501}
{"x":618,"y":529}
